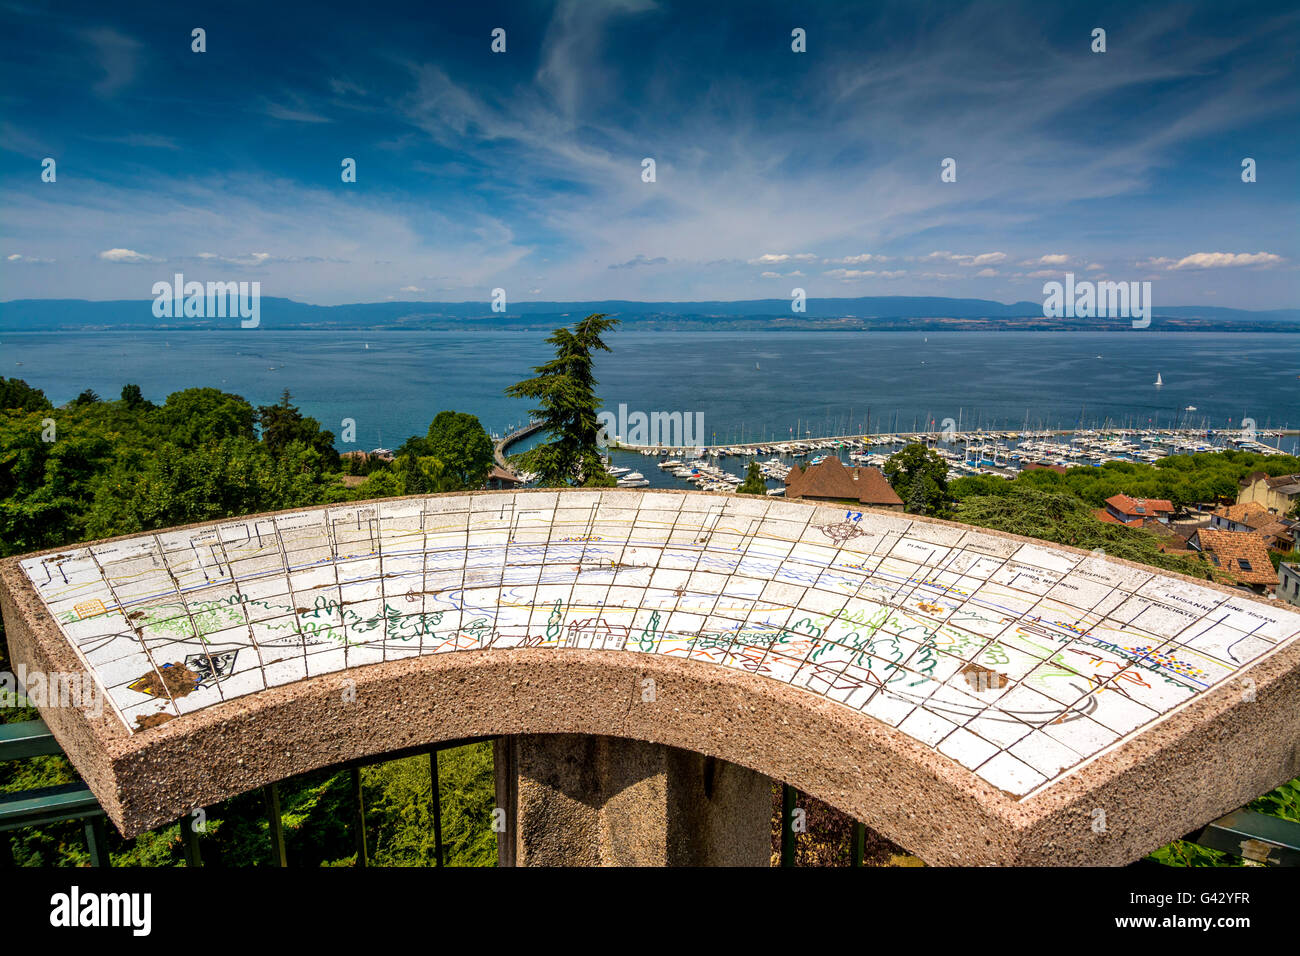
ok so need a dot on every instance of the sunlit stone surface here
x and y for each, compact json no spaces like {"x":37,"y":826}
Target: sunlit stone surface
{"x":1018,"y":661}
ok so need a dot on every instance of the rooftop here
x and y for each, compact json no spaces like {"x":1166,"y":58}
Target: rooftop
{"x":1140,"y":507}
{"x":831,"y":479}
{"x":1242,"y":554}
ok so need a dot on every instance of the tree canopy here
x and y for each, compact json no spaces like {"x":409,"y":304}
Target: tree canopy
{"x":17,"y":394}
{"x":920,"y":477}
{"x":1182,"y":479}
{"x":565,"y":390}
{"x":460,"y":445}
{"x":753,"y":483}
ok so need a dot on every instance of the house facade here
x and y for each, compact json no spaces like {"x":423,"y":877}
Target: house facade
{"x":1278,"y":494}
{"x":1288,"y":583}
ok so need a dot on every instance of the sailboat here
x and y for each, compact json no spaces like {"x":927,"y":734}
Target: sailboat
{"x":1159,"y":381}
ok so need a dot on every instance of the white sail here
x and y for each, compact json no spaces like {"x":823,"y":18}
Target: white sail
{"x":1159,"y":381}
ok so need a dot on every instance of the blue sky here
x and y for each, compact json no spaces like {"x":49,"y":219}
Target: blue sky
{"x":774,"y":169}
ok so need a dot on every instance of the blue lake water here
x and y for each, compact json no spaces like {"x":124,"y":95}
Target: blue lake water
{"x":750,"y":386}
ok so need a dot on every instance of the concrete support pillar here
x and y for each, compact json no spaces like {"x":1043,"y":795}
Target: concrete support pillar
{"x":580,"y":800}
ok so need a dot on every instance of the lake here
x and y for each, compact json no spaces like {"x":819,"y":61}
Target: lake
{"x":750,"y":386}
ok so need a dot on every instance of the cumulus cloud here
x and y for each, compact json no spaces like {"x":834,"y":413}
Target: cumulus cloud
{"x":126,"y":255}
{"x":1053,"y":259}
{"x":772,"y":258}
{"x":1222,"y":260}
{"x":410,"y":288}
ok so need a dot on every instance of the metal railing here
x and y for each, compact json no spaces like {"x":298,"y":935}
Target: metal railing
{"x":74,"y":801}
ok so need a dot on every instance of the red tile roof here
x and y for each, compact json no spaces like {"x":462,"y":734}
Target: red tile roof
{"x":1242,"y":554}
{"x":1242,"y":513}
{"x":831,"y":479}
{"x":1140,"y":507}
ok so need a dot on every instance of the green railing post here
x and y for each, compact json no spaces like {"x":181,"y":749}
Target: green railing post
{"x":97,"y":841}
{"x":191,"y":838}
{"x":859,"y":843}
{"x":274,"y":824}
{"x":359,"y":816}
{"x":437,"y":807}
{"x":788,"y":796}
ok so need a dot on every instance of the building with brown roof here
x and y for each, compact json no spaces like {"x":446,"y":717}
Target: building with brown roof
{"x":499,"y":478}
{"x":1242,"y":555}
{"x":1277,"y":533}
{"x":1276,"y":493}
{"x":1239,"y":517}
{"x":1138,"y":511}
{"x":830,"y":480}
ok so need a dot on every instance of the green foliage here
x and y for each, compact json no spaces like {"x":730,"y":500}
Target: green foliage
{"x":399,"y":809}
{"x":215,"y":480}
{"x":283,"y":425}
{"x":1063,"y":518}
{"x":920,"y":477}
{"x":17,"y":394}
{"x":753,"y":483}
{"x":133,"y":398}
{"x":565,"y":390}
{"x":462,"y":446}
{"x":1183,"y":479}
{"x":421,"y":476}
{"x":197,"y":415}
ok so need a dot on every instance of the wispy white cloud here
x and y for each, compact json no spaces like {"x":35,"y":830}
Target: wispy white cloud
{"x":1211,"y":260}
{"x":127,"y":256}
{"x":117,"y":56}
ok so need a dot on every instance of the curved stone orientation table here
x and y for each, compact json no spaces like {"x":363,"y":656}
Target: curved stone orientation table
{"x":975,"y":696}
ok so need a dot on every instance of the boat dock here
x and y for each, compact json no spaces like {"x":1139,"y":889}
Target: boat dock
{"x":1185,"y":439}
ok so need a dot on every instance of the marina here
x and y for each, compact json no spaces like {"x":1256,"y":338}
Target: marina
{"x":1005,"y":453}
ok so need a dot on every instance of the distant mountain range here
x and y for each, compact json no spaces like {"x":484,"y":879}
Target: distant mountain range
{"x":930,"y":313}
